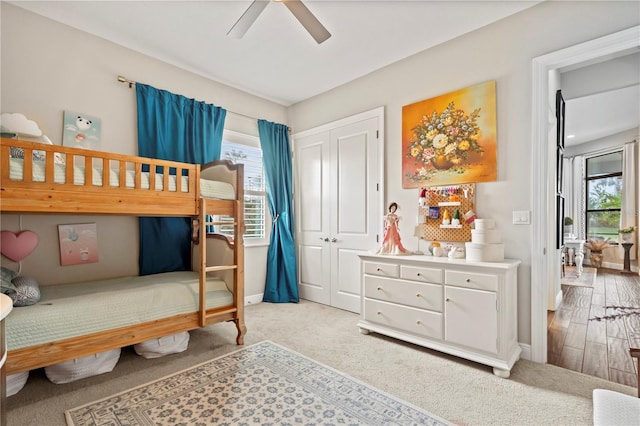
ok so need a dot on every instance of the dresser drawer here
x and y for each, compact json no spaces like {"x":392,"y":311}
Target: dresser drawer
{"x":383,"y":269}
{"x":424,"y":296}
{"x":404,"y":318}
{"x":471,"y":280}
{"x":428,"y":275}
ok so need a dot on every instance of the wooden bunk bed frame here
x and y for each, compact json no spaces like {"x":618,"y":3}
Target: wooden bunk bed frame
{"x":27,"y":196}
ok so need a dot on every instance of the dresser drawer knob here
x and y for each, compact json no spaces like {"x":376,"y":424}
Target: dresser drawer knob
{"x":379,"y":288}
{"x":379,"y":313}
{"x":419,"y":274}
{"x":379,"y":269}
{"x":418,"y":295}
{"x":447,"y":300}
{"x":419,"y":322}
{"x":468,"y":280}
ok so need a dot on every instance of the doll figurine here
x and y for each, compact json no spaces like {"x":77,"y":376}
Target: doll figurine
{"x":391,"y":243}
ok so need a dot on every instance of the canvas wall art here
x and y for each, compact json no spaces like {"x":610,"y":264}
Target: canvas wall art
{"x":78,"y":243}
{"x":450,"y":139}
{"x":81,"y":131}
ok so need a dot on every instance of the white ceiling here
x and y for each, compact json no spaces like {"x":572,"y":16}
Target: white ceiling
{"x":595,"y":116}
{"x":277,"y":59}
{"x":602,"y":96}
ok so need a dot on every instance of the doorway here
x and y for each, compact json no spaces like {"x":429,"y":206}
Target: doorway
{"x":543,"y":254}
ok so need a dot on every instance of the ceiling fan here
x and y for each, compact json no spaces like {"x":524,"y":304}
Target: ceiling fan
{"x":299,"y":10}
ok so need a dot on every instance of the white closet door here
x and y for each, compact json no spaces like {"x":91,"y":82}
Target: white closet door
{"x":338,"y":209}
{"x":312,"y":159}
{"x":354,"y":219}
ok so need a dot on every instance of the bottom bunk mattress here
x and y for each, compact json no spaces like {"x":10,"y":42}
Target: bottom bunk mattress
{"x":72,"y":310}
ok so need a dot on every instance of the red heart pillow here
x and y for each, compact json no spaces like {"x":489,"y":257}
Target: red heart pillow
{"x":17,"y":246}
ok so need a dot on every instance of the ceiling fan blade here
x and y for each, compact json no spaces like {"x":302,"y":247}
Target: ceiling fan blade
{"x":248,"y":18}
{"x":308,"y":21}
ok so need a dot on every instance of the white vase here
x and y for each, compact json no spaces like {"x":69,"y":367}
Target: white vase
{"x":627,"y":237}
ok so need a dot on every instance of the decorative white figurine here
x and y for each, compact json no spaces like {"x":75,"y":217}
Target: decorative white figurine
{"x":456,"y":253}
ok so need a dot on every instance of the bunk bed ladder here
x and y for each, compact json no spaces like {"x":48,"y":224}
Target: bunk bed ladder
{"x":202,"y":289}
{"x":237,"y":266}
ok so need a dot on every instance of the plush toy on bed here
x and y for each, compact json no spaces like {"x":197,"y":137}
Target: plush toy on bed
{"x":24,"y":291}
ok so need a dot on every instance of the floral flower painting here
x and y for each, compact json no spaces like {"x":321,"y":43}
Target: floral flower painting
{"x":451,"y":138}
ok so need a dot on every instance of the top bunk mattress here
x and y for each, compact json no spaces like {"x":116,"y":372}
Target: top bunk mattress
{"x":72,"y":310}
{"x":208,"y":188}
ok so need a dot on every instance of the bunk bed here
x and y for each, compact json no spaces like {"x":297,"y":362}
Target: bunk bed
{"x":39,"y":178}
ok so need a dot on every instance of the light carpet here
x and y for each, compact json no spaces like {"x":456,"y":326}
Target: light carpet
{"x":262,"y":384}
{"x":586,"y":279}
{"x":463,"y":392}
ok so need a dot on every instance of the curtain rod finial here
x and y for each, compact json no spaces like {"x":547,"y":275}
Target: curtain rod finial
{"x":122,"y":79}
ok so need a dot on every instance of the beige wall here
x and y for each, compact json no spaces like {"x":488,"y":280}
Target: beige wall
{"x":502,"y":52}
{"x":47,"y":68}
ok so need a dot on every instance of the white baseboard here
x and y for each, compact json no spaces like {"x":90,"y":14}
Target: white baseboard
{"x":614,"y":266}
{"x":558,"y":300}
{"x":526,"y":351}
{"x":253,"y":299}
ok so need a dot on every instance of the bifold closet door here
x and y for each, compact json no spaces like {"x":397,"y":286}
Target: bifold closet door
{"x":338,"y":175}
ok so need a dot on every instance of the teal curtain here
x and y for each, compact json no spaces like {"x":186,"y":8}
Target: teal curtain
{"x":172,"y":127}
{"x":281,"y":285}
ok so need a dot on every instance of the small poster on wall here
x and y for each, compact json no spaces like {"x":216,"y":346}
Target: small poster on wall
{"x":450,"y":139}
{"x":81,"y":131}
{"x":78,"y":243}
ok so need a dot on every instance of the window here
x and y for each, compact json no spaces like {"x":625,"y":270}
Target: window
{"x":604,"y":195}
{"x":245,"y":149}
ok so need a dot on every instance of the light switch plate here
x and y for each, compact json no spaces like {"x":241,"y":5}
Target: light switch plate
{"x":522,"y":217}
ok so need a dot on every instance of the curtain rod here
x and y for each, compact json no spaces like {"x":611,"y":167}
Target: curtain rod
{"x":131,"y":83}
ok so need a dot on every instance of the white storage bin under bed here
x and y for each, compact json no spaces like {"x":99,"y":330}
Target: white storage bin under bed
{"x":166,"y":345}
{"x":81,"y":368}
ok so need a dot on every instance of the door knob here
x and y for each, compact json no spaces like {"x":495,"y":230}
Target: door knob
{"x":325,"y":239}
{"x":333,"y":240}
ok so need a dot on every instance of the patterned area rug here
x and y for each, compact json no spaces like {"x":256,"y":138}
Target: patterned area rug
{"x":586,"y":279}
{"x":260,"y":384}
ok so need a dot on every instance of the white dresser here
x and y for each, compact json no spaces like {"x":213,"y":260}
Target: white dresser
{"x":466,"y":309}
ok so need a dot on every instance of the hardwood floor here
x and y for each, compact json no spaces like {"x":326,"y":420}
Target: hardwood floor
{"x":597,"y":348}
